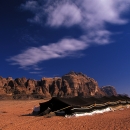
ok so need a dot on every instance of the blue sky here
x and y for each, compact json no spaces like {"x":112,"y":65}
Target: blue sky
{"x":45,"y":38}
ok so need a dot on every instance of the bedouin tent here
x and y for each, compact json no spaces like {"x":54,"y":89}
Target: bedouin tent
{"x":81,"y":105}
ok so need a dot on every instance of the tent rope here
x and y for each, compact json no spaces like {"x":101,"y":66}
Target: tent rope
{"x":56,"y":110}
{"x":62,"y":109}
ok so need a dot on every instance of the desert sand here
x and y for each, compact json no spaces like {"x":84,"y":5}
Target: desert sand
{"x":13,"y":116}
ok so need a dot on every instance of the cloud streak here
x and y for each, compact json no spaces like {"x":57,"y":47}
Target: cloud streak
{"x":35,"y":72}
{"x":34,"y":55}
{"x":90,"y":15}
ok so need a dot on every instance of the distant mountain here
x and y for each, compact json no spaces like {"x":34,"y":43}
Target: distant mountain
{"x":69,"y":85}
{"x":109,"y":90}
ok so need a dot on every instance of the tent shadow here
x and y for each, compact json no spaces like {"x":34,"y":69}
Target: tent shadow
{"x":30,"y":114}
{"x":60,"y":114}
{"x":51,"y":114}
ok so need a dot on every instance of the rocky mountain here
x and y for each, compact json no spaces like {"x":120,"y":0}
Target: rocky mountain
{"x":69,"y":85}
{"x":109,"y":90}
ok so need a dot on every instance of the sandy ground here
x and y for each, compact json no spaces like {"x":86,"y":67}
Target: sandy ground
{"x":12,"y":117}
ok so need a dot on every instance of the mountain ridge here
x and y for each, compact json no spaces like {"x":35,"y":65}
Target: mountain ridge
{"x":69,"y":85}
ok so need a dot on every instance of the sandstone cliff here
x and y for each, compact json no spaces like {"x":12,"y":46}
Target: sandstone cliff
{"x":69,"y":85}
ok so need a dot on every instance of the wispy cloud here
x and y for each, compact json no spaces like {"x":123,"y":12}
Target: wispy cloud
{"x":64,"y":15}
{"x":37,"y":68}
{"x":90,"y":15}
{"x":34,"y":55}
{"x":35,"y":72}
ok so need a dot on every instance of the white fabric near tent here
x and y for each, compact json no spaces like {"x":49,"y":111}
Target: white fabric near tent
{"x":90,"y":113}
{"x":128,"y":106}
{"x":36,"y":109}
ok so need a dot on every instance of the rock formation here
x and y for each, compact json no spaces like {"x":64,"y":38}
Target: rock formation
{"x":109,"y":90}
{"x":69,"y":85}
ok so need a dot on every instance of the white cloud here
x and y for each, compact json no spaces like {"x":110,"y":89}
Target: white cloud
{"x":34,"y":55}
{"x":96,"y":13}
{"x":31,"y":6}
{"x":90,"y":15}
{"x":34,"y":7}
{"x":99,"y":37}
{"x":66,"y":14}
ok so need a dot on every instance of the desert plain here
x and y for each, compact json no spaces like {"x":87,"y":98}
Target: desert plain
{"x":14,"y":116}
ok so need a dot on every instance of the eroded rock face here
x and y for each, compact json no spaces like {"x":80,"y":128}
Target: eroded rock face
{"x":109,"y":90}
{"x":6,"y":85}
{"x":21,"y":81}
{"x":3,"y":81}
{"x":82,"y":85}
{"x":69,"y":85}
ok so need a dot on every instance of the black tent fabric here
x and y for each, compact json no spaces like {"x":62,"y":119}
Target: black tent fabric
{"x":54,"y":104}
{"x":81,"y":104}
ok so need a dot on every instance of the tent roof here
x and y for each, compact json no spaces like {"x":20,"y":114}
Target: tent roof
{"x":80,"y":101}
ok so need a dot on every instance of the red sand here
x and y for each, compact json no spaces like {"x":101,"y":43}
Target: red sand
{"x":11,"y":119}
